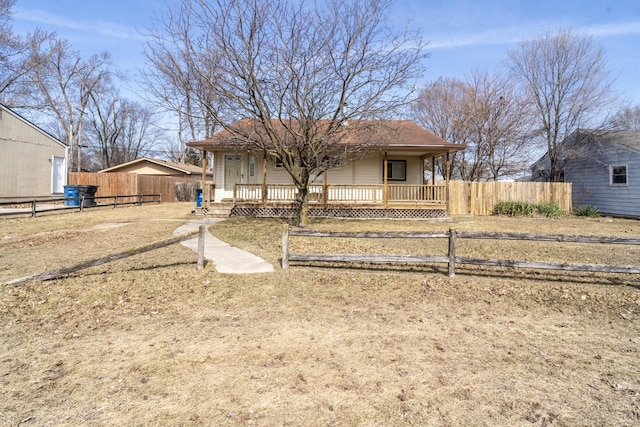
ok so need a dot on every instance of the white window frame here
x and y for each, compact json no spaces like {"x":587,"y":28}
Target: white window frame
{"x":612,"y":174}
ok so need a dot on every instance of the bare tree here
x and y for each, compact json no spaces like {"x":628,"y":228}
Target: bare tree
{"x":440,"y":108}
{"x":119,"y":130}
{"x":499,"y":124}
{"x":14,"y":63}
{"x":567,"y":81}
{"x":627,"y":118}
{"x":173,"y":82}
{"x":486,"y":114}
{"x":308,"y":77}
{"x":65,"y":82}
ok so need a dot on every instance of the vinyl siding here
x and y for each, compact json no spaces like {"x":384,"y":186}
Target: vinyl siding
{"x":590,"y":178}
{"x":26,"y":159}
{"x":363,"y":171}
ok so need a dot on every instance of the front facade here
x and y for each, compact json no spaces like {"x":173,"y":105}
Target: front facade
{"x":33,"y":164}
{"x":604,"y":169}
{"x":391,"y":175}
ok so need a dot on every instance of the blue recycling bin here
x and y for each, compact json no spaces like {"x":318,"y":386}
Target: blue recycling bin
{"x":199,"y":198}
{"x":71,"y":193}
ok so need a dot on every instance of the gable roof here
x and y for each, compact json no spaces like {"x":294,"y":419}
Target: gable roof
{"x":389,"y":134}
{"x":17,"y":116}
{"x":626,"y":138}
{"x":596,"y":138}
{"x":178,"y":167}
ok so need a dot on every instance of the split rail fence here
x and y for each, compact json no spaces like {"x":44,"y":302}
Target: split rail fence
{"x":61,"y":272}
{"x":451,"y":258}
{"x":36,"y":206}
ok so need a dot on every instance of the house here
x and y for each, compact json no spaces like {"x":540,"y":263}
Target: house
{"x":33,"y":163}
{"x":148,"y":166}
{"x":390,"y":176}
{"x":603,"y":167}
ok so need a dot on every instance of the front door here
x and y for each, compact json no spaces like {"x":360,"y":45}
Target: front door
{"x":232,"y":172}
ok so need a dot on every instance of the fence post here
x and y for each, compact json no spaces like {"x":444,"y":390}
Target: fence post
{"x":140,"y":196}
{"x":81,"y":203}
{"x":452,"y":252}
{"x":33,"y":208}
{"x":115,"y":201}
{"x":285,"y":246}
{"x":201,"y":237}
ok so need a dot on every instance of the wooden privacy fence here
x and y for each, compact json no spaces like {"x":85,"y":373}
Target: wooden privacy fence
{"x":451,"y":258}
{"x":479,"y":198}
{"x":112,"y":183}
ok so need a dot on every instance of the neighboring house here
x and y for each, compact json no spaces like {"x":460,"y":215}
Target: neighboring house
{"x":604,"y":169}
{"x":33,"y":164}
{"x":404,"y":149}
{"x":147,"y":166}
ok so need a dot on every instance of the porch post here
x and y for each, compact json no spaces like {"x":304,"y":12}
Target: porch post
{"x":447,"y":167}
{"x":385,"y":189}
{"x":204,"y":178}
{"x":264,"y":179}
{"x":433,"y":171}
{"x":447,"y":180}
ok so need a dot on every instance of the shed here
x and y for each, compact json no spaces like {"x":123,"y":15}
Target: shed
{"x":33,"y":163}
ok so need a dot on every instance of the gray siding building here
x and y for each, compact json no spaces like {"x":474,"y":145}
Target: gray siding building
{"x":33,"y":164}
{"x":604,"y":168}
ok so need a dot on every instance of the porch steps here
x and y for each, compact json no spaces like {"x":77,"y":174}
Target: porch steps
{"x":216,"y":210}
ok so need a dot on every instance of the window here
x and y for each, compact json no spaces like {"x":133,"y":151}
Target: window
{"x":396,"y":170}
{"x":252,"y":166}
{"x":618,"y":175}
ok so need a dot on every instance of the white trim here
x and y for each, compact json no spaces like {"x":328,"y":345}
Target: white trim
{"x":626,"y":176}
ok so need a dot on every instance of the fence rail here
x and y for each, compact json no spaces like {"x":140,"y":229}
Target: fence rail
{"x":80,"y":203}
{"x":451,"y":258}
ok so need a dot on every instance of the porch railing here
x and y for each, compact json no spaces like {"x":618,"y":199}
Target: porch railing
{"x":345,"y":193}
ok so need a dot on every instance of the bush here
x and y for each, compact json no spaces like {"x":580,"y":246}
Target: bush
{"x":514,"y":209}
{"x":551,"y":210}
{"x":548,"y":209}
{"x":586,"y":210}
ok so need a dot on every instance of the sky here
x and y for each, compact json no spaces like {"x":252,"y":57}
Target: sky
{"x":463,"y":35}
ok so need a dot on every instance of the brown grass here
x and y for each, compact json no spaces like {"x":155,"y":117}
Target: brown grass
{"x":151,"y":340}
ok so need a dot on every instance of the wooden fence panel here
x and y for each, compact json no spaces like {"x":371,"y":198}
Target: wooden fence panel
{"x":123,"y":183}
{"x":109,"y":184}
{"x":479,"y":198}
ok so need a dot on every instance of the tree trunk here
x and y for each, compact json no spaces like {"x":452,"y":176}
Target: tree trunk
{"x":303,"y":210}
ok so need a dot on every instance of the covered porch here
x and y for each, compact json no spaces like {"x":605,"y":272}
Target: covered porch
{"x":396,"y":173}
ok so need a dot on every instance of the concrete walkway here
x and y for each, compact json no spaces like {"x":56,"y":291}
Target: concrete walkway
{"x":226,"y":258}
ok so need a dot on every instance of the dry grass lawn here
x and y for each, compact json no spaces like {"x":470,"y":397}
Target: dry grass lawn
{"x":150,"y":340}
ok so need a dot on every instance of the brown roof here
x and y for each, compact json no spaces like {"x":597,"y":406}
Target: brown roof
{"x":389,"y":134}
{"x":179,"y":167}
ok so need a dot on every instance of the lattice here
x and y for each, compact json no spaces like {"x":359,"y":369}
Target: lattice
{"x":340,"y":212}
